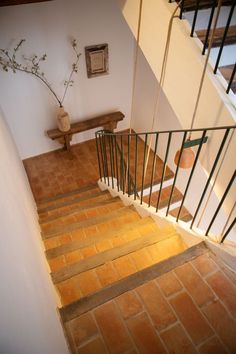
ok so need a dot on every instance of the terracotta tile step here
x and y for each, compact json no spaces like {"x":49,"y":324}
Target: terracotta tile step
{"x":101,"y":258}
{"x":64,"y":196}
{"x":115,"y":236}
{"x":92,"y":281}
{"x":102,"y":208}
{"x":74,"y":307}
{"x":164,"y":199}
{"x":184,"y":215}
{"x":68,"y":207}
{"x":90,"y":222}
{"x":82,"y":253}
{"x":85,"y":209}
{"x":76,"y":198}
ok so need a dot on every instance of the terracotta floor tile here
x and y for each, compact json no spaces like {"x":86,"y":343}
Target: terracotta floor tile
{"x":68,"y":291}
{"x":141,"y":259}
{"x":129,"y":304}
{"x":51,"y":243}
{"x":82,"y":328}
{"x":169,"y":283}
{"x":124,"y":266}
{"x":73,"y":257}
{"x":88,"y":282}
{"x":177,"y":341}
{"x":103,"y":245}
{"x":144,"y":335}
{"x":107,"y":274}
{"x":57,"y":263}
{"x":94,"y":346}
{"x":112,"y":328}
{"x":88,"y":251}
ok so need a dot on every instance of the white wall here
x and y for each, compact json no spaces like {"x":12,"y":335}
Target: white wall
{"x":47,"y":27}
{"x":29,"y":323}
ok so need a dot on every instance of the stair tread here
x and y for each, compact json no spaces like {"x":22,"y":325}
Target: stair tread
{"x":164,"y":198}
{"x":81,"y":305}
{"x":91,"y":204}
{"x":89,"y":222}
{"x":184,"y":215}
{"x":88,"y":241}
{"x":190,"y":5}
{"x":72,"y":199}
{"x":219,"y":32}
{"x":226,"y":71}
{"x":67,"y":194}
{"x":110,"y":255}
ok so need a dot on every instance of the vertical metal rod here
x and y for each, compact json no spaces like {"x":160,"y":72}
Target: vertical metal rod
{"x":144,"y":163}
{"x":164,"y":169}
{"x":106,"y":161}
{"x":191,"y":174}
{"x":228,"y":230}
{"x":228,"y":218}
{"x":153,"y":169}
{"x":195,"y":18}
{"x":117,"y":169}
{"x":122,"y":163}
{"x":224,"y":37}
{"x":176,"y":172}
{"x":111,"y":161}
{"x":211,"y":174}
{"x":221,"y":202}
{"x":128,"y":167}
{"x":231,"y":79}
{"x":98,"y":155}
{"x":102,"y":155}
{"x":181,"y":10}
{"x":209,"y":27}
{"x":135,"y":166}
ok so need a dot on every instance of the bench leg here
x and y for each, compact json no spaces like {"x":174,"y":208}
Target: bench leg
{"x":67,"y":142}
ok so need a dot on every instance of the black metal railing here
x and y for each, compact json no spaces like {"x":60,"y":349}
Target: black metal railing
{"x":131,"y":163}
{"x":223,"y":41}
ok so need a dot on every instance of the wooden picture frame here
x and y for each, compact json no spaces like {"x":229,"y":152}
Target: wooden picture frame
{"x":97,"y":60}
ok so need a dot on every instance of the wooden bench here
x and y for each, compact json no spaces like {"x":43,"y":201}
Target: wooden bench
{"x":107,"y":121}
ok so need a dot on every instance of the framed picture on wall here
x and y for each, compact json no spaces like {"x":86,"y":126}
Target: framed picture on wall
{"x":97,"y":60}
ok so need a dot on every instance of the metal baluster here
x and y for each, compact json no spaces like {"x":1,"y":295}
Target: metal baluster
{"x":176,"y":172}
{"x":135,"y":166}
{"x":231,"y":79}
{"x":191,"y":173}
{"x":221,"y":202}
{"x":181,"y":10}
{"x":195,"y":18}
{"x":103,"y":157}
{"x":117,"y":169}
{"x":98,"y":155}
{"x":211,"y":174}
{"x":164,"y":169}
{"x":209,"y":27}
{"x":228,"y":230}
{"x":128,"y":167}
{"x":144,"y":163}
{"x":122,"y":163}
{"x":111,"y":161}
{"x":153,"y":169}
{"x":224,"y":37}
{"x":106,"y":163}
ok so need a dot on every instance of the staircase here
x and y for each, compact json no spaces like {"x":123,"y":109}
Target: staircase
{"x":97,"y":248}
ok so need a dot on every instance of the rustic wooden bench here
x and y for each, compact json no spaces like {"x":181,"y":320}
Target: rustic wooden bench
{"x":107,"y":121}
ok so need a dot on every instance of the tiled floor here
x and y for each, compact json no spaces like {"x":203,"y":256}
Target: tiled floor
{"x":59,"y":171}
{"x":189,"y":310}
